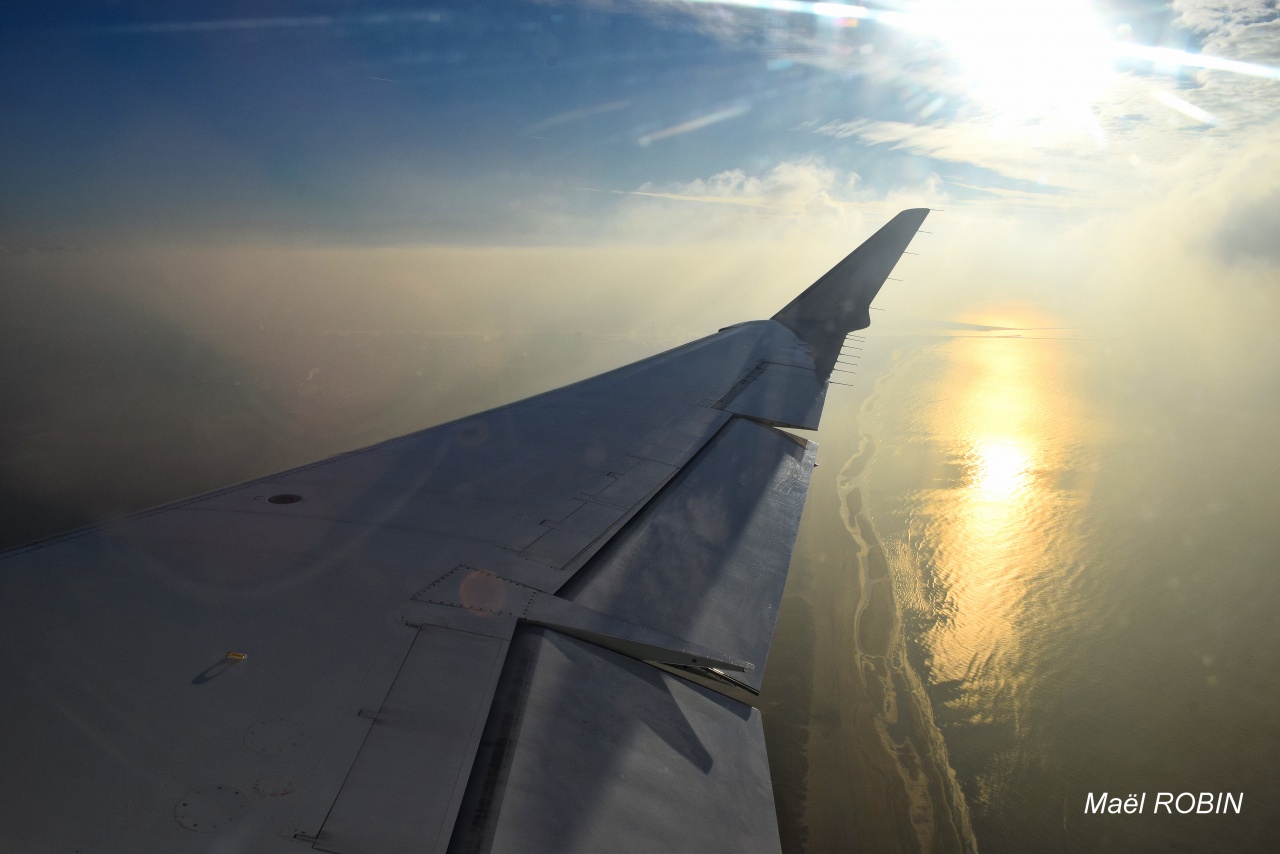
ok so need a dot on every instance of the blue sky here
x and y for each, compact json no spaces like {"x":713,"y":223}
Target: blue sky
{"x":753,"y":147}
{"x":461,"y":123}
{"x":377,"y":123}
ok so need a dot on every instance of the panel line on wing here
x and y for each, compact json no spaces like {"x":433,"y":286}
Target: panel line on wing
{"x":725,"y":399}
{"x":479,"y":595}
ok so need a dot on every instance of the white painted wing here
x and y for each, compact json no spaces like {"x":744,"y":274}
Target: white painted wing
{"x":446,"y":641}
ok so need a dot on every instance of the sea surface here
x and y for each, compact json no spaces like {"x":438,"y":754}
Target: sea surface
{"x":1034,"y":568}
{"x":1033,"y":565}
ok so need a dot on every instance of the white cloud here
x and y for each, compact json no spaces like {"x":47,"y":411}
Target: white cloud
{"x":1214,"y":17}
{"x":1128,"y":146}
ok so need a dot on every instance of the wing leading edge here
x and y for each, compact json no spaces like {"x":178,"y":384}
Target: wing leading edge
{"x":446,"y":642}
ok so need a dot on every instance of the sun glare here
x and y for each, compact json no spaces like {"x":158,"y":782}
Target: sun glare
{"x":1025,"y":58}
{"x":1000,"y":469}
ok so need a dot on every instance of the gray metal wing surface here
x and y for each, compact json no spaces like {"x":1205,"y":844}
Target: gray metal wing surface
{"x":538,"y":628}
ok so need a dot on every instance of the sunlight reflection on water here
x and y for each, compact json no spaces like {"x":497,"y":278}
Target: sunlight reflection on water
{"x":1084,"y":611}
{"x":987,"y":561}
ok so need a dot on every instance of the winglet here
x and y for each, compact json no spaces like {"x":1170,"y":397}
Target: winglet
{"x":840,"y":302}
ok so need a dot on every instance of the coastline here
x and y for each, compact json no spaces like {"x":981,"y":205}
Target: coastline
{"x":859,"y":761}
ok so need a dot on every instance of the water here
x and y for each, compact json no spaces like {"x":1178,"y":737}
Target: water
{"x":1082,"y":558}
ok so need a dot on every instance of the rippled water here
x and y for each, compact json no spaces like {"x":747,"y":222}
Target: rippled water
{"x":1085,"y":565}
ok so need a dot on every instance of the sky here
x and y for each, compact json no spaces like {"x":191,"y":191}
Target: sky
{"x":338,"y":123}
{"x":181,"y":157}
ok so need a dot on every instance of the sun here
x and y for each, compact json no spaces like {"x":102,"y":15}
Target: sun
{"x":1026,"y":59}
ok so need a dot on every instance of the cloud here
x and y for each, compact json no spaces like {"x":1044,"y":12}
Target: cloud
{"x":790,"y":185}
{"x":330,"y":341}
{"x":1244,"y":206}
{"x":1249,"y":231}
{"x":1219,"y":18}
{"x":1128,"y":145}
{"x":806,"y":204}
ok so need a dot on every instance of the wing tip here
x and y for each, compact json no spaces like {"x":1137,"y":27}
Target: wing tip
{"x":839,"y":302}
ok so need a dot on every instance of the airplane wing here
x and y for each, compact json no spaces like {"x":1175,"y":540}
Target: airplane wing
{"x":539,"y":628}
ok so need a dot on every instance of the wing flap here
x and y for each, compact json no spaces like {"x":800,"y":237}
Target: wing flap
{"x":782,"y":395}
{"x":707,"y":561}
{"x":405,"y":786}
{"x":657,"y":764}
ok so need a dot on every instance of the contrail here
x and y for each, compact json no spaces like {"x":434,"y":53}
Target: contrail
{"x":694,"y":124}
{"x":295,"y":22}
{"x":573,"y":115}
